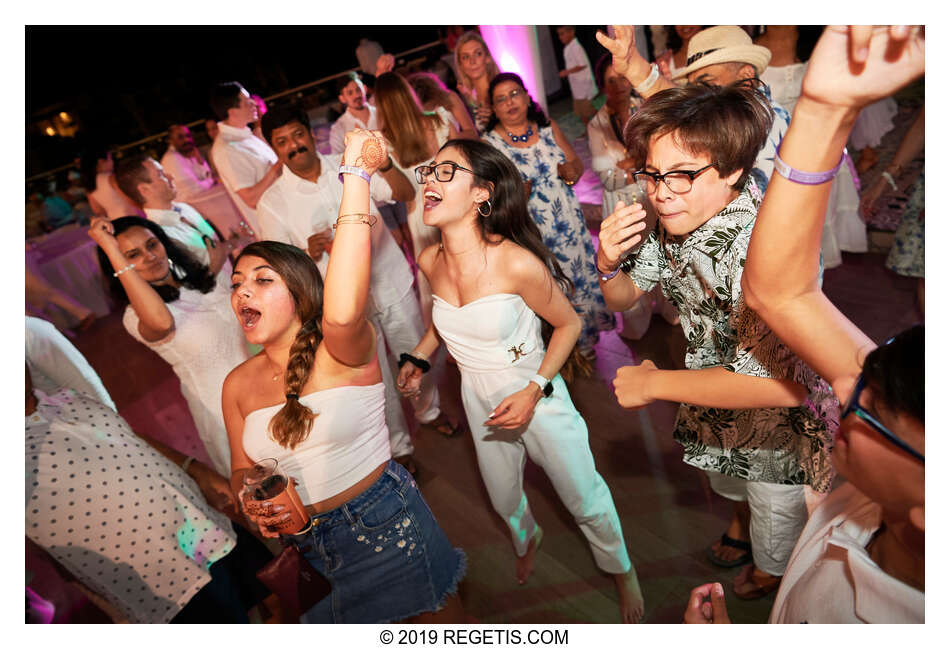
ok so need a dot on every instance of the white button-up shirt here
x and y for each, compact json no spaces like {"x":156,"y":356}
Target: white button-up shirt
{"x":293,"y":209}
{"x":191,"y":175}
{"x":831,"y":579}
{"x":347,"y":123}
{"x":242,"y":159}
{"x":183,"y":224}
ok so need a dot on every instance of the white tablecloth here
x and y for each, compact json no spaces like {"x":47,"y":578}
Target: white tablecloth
{"x":66,"y":258}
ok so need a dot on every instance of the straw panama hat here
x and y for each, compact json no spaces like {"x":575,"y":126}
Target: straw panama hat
{"x":723,"y":44}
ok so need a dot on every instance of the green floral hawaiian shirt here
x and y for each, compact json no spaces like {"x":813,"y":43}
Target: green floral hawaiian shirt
{"x":700,"y":273}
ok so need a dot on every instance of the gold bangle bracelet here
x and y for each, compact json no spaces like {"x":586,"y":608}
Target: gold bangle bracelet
{"x":367,"y":219}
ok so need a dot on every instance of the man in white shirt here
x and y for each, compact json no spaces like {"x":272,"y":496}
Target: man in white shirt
{"x":578,"y":73}
{"x":246,"y":164}
{"x":301,"y":208}
{"x":144,"y":180}
{"x":358,"y":114}
{"x":185,"y":164}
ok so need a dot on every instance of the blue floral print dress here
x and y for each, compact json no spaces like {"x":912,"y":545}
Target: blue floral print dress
{"x":556,"y":210}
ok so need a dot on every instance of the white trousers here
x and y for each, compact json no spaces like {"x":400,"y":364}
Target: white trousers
{"x":400,"y":442}
{"x":402,"y":327}
{"x":555,"y":440}
{"x":778,"y":515}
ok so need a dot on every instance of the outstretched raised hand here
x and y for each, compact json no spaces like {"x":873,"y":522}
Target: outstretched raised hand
{"x":857,"y":65}
{"x":622,"y":47}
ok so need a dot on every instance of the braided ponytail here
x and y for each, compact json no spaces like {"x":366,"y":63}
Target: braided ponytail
{"x":292,"y":424}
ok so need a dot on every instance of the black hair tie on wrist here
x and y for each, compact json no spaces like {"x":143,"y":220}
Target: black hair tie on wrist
{"x":418,"y":362}
{"x":291,"y":395}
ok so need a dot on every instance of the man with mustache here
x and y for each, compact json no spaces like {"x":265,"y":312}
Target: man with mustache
{"x":300,"y":209}
{"x":185,"y":165}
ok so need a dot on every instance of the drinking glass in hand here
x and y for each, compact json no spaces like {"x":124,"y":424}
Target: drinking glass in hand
{"x":266,"y":482}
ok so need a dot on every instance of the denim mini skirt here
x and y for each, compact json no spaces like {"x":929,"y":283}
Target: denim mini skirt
{"x":383,"y":553}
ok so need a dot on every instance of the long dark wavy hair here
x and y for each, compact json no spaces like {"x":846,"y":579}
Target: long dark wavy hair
{"x":187,"y":270}
{"x":535,"y":114}
{"x":510,"y":219}
{"x":292,"y":424}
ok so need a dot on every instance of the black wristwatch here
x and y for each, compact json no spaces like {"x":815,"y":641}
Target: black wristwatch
{"x":547,"y":388}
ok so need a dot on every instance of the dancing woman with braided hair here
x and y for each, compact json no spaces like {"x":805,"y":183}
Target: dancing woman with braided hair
{"x":313,"y":399}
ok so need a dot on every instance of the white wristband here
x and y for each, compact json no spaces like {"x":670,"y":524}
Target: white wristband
{"x":886,"y":175}
{"x":187,"y":463}
{"x":647,"y":83}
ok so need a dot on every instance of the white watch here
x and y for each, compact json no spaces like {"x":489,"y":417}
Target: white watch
{"x":546,"y":387}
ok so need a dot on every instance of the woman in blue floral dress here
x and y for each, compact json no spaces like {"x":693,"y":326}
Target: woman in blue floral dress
{"x":547,"y":162}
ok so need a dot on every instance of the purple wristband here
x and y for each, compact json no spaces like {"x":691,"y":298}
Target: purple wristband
{"x":356,"y":171}
{"x":806,"y":177}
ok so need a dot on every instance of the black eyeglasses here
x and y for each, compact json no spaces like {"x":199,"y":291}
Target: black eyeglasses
{"x":858,"y":409}
{"x":444,"y":171}
{"x":679,"y":181}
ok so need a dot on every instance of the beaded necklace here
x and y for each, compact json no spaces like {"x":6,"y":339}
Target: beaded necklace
{"x":522,"y":138}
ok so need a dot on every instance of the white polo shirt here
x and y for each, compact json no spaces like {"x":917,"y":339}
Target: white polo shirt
{"x":831,"y":579}
{"x":184,"y":224}
{"x":191,"y":175}
{"x":242,"y":159}
{"x":293,"y":208}
{"x":347,"y":123}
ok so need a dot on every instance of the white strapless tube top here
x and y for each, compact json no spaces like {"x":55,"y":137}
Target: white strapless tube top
{"x":491,"y":333}
{"x":348,"y":440}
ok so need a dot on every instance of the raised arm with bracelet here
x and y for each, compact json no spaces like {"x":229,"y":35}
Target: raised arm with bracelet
{"x":850,"y":68}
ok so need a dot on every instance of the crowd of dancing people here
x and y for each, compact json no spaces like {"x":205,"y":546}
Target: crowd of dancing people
{"x":444,"y":226}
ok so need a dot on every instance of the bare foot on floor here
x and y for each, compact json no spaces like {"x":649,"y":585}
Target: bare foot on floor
{"x":524,"y":566}
{"x":631,"y":599}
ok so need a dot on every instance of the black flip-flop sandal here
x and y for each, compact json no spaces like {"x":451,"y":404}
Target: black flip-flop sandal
{"x":732,"y":543}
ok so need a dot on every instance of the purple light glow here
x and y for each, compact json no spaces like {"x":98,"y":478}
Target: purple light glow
{"x":515,"y":49}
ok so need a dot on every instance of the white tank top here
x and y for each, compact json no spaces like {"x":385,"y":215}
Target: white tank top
{"x":348,"y":440}
{"x":490,"y":334}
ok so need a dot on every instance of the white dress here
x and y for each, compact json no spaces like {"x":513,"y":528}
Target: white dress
{"x":497,"y":343}
{"x":424,"y":235}
{"x":844,"y":229}
{"x":205,"y":345}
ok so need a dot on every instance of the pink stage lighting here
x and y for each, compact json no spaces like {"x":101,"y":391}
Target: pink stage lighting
{"x":515,"y":49}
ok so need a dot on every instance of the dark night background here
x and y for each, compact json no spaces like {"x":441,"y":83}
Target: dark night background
{"x":122,"y":84}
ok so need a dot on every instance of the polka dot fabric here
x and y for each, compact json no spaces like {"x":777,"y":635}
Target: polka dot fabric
{"x":129,"y":523}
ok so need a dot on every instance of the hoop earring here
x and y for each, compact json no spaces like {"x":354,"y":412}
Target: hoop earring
{"x":177,"y":271}
{"x":481,"y":213}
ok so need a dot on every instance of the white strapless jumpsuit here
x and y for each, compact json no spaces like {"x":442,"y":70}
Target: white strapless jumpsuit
{"x":496,"y":341}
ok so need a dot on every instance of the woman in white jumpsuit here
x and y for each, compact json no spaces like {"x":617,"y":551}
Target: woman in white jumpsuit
{"x":492,"y":284}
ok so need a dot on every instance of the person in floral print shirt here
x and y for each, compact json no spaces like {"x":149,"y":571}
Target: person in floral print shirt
{"x":753,"y":415}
